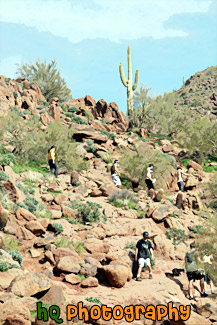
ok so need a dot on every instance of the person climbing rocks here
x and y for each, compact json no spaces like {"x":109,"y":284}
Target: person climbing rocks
{"x":144,"y":251}
{"x":52,"y":160}
{"x":149,"y":177}
{"x":194,"y":271}
{"x":115,"y":174}
{"x":208,"y":262}
{"x":180,"y":180}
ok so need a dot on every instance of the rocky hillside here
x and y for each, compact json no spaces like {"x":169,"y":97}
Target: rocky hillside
{"x":200,"y":92}
{"x":73,"y":239}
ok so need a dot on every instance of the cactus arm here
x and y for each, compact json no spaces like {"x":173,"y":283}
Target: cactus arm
{"x":136,"y":80}
{"x":123,"y":78}
{"x":129,"y":66}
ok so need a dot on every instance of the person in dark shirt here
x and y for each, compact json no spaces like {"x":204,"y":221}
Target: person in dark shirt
{"x":144,"y":251}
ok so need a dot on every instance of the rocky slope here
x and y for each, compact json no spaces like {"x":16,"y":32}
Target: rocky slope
{"x":200,"y":92}
{"x":52,"y":251}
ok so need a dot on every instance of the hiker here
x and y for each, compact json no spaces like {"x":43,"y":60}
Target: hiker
{"x":52,"y":160}
{"x":180,"y":180}
{"x":194,"y":272}
{"x":144,"y":251}
{"x":208,"y":262}
{"x":149,"y":174}
{"x":115,"y":174}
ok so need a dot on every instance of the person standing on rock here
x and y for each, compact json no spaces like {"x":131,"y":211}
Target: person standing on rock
{"x":144,"y":251}
{"x":52,"y":160}
{"x":180,"y":180}
{"x":149,"y":177}
{"x":194,"y":271}
{"x":115,"y":174}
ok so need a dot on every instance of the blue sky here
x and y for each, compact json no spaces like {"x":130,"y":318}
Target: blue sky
{"x":169,"y":39}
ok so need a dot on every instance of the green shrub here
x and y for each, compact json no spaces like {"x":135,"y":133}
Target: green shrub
{"x":110,"y":135}
{"x":131,"y":245}
{"x":47,"y":77}
{"x":10,"y":243}
{"x":4,"y":267}
{"x":141,"y":214}
{"x":58,"y":228}
{"x":87,"y":212}
{"x":79,"y":247}
{"x":16,"y":256}
{"x":72,"y":109}
{"x":107,"y":158}
{"x":213,"y":204}
{"x":15,"y":94}
{"x":77,"y":119}
{"x":196,"y":229}
{"x":177,"y":235}
{"x":6,"y":159}
{"x":103,"y":121}
{"x":3,"y":176}
{"x":94,"y":300}
{"x":31,"y":203}
{"x":62,"y":242}
{"x":123,"y":198}
{"x":90,"y":146}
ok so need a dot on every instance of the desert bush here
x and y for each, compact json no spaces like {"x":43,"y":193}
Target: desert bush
{"x":77,"y":119}
{"x":58,"y":228}
{"x":31,"y":203}
{"x":90,"y":146}
{"x":110,"y":135}
{"x":210,"y":192}
{"x":177,"y":235}
{"x":122,"y":199}
{"x":131,"y":245}
{"x":107,"y":158}
{"x":6,"y":159}
{"x":16,"y":256}
{"x":88,"y":211}
{"x":4,"y":267}
{"x":10,"y":243}
{"x":79,"y":247}
{"x":94,"y":300}
{"x":3,"y":176}
{"x":62,"y":242}
{"x":32,"y":177}
{"x":47,"y":77}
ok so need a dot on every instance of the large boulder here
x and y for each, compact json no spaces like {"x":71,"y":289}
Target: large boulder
{"x":25,"y":215}
{"x":29,"y":284}
{"x":35,"y":227}
{"x":88,"y":132}
{"x":90,"y":282}
{"x":94,"y":245}
{"x":194,"y":165}
{"x":158,"y":212}
{"x":72,"y":278}
{"x":7,"y":277}
{"x":14,"y":312}
{"x":68,"y":264}
{"x":116,"y":274}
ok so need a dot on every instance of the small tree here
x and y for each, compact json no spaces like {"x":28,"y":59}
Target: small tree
{"x":47,"y":77}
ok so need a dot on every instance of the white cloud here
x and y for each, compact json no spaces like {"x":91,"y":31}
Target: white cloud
{"x":115,"y":20}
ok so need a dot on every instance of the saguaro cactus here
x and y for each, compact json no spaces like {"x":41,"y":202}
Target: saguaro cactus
{"x":129,"y":83}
